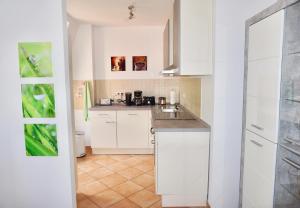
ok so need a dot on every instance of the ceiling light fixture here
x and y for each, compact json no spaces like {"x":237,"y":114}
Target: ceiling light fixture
{"x":131,"y":11}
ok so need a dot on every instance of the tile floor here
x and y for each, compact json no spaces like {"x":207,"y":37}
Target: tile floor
{"x":116,"y":181}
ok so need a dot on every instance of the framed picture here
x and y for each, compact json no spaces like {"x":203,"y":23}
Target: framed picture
{"x":38,"y":101}
{"x":118,"y":63}
{"x":139,"y":63}
{"x":35,"y":59}
{"x":40,"y":139}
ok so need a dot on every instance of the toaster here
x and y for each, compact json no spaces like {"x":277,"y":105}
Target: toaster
{"x":148,"y":100}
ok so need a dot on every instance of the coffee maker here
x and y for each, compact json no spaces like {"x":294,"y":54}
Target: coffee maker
{"x":138,"y":97}
{"x":128,"y":98}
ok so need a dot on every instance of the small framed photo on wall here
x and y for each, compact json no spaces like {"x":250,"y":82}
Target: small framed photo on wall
{"x":118,"y":63}
{"x":139,"y":63}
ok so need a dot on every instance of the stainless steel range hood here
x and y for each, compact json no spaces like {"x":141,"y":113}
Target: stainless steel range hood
{"x":169,"y":71}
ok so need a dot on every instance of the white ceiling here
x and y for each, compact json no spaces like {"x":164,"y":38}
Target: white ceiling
{"x":115,"y":12}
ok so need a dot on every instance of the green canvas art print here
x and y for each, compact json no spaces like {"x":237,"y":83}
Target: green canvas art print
{"x":35,"y":59}
{"x":40,"y":139}
{"x":38,"y":101}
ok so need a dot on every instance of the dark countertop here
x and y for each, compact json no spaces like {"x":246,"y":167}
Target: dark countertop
{"x":117,"y":107}
{"x":187,"y":122}
{"x":161,"y":121}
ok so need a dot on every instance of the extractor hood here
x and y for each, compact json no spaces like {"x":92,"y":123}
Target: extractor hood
{"x":169,"y":71}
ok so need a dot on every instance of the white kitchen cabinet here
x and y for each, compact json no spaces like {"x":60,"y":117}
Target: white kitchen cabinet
{"x":182,"y":168}
{"x":103,"y":129}
{"x":193,"y":36}
{"x":264,"y":76}
{"x":259,"y":172}
{"x":262,"y":117}
{"x":133,"y":129}
{"x":121,"y":132}
{"x":266,"y":37}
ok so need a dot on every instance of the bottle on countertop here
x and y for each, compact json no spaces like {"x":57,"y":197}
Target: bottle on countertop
{"x":172,"y":97}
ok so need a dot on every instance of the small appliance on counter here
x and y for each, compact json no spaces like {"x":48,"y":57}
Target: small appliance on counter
{"x":148,"y":100}
{"x":138,"y":98}
{"x":172,"y":97}
{"x":105,"y":101}
{"x":128,"y":98}
{"x":162,"y":100}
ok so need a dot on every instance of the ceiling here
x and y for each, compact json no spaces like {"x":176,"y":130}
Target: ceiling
{"x":116,"y":13}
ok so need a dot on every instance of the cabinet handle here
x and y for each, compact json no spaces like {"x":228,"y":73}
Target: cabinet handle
{"x":152,"y":131}
{"x":291,"y":163}
{"x":110,"y":122}
{"x":102,"y":114}
{"x":256,"y":143}
{"x":153,"y":141}
{"x":257,"y":127}
{"x":132,"y":114}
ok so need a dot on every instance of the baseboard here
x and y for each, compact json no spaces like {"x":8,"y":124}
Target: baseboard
{"x":120,"y":151}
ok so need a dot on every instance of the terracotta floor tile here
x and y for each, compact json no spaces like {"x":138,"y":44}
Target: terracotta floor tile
{"x":150,"y":162}
{"x":132,"y":161}
{"x":144,"y":157}
{"x":106,"y":198}
{"x":144,"y":198}
{"x":100,"y":173}
{"x":88,"y":166}
{"x":156,"y":205}
{"x":80,"y":197}
{"x":117,"y":167}
{"x":120,"y":157}
{"x":98,"y":157}
{"x":128,"y":188}
{"x":85,"y":178}
{"x":144,"y":180}
{"x":113,"y":180}
{"x":130,"y":173}
{"x":145,"y":167}
{"x":86,"y":203}
{"x":79,"y":171}
{"x":92,"y":188}
{"x":104,"y":181}
{"x":105,"y":161}
{"x":151,"y":173}
{"x":151,"y":188}
{"x":125,"y":203}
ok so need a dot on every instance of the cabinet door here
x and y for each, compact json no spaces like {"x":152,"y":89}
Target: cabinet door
{"x":194,"y":36}
{"x":266,"y":37}
{"x":263,"y":78}
{"x":182,"y":163}
{"x":262,"y":117}
{"x":259,"y":172}
{"x":133,"y":129}
{"x":103,"y":129}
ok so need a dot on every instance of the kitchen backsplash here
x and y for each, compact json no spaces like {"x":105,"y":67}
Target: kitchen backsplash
{"x":188,"y":90}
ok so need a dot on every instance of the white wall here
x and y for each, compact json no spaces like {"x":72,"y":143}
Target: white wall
{"x":128,"y":41}
{"x":34,"y":182}
{"x":228,"y":98}
{"x":82,"y":52}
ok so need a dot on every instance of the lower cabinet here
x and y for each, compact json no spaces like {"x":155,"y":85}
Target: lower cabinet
{"x":133,"y":129}
{"x":182,"y":161}
{"x":103,"y":128}
{"x":120,"y":132}
{"x":259,"y":172}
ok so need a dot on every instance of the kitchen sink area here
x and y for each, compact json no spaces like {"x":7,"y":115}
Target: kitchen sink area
{"x":172,"y":112}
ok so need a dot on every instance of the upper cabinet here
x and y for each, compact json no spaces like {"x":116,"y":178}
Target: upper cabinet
{"x":191,"y":39}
